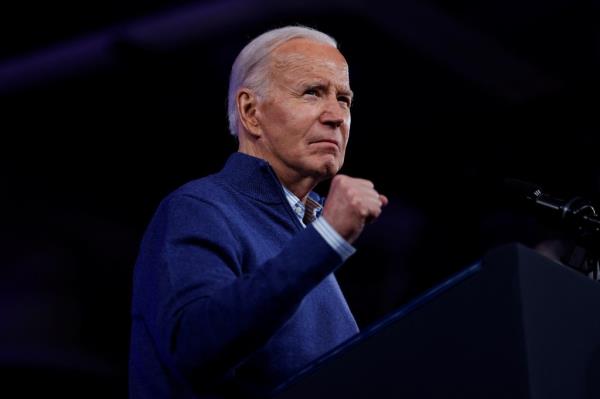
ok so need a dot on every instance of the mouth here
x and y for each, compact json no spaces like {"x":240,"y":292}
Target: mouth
{"x":326,"y":142}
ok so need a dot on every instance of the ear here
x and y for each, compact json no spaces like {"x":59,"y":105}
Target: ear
{"x":247,"y":103}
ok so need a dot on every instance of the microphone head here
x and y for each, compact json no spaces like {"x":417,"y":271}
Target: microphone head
{"x":575,"y":211}
{"x":523,"y":189}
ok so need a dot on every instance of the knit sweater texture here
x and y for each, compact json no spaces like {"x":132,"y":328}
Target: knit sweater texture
{"x":231,"y":295}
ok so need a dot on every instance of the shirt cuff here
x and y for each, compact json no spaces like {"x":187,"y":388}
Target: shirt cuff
{"x":332,"y":237}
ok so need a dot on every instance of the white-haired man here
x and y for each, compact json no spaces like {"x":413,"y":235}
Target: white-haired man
{"x":234,"y":289}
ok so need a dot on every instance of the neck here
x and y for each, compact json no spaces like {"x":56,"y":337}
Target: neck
{"x":293,"y":180}
{"x":301,"y":187}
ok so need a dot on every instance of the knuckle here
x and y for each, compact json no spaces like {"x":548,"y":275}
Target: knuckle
{"x":340,"y":178}
{"x":337,"y":180}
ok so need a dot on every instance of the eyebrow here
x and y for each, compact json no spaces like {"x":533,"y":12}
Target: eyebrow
{"x":323,"y":86}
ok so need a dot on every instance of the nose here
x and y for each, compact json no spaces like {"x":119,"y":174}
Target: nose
{"x":334,"y":114}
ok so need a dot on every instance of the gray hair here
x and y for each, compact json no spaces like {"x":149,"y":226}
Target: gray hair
{"x":250,"y":68}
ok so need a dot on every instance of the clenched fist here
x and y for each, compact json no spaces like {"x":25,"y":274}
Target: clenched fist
{"x":350,"y":204}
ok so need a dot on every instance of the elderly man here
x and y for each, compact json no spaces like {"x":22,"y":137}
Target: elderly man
{"x":234,"y":289}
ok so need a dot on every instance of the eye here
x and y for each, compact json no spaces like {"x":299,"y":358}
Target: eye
{"x":345,"y":99}
{"x":311,"y":92}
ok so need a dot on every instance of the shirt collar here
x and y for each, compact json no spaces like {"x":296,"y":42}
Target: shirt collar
{"x":313,"y":202}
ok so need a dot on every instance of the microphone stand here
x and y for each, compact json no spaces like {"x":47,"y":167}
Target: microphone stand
{"x":585,"y":255}
{"x":578,"y":215}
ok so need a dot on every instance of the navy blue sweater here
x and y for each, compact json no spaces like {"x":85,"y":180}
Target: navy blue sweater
{"x":231,"y":294}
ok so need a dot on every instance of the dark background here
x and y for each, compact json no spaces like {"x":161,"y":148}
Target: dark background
{"x":107,"y":106}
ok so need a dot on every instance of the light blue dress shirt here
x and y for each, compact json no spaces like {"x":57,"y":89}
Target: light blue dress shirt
{"x":332,"y":237}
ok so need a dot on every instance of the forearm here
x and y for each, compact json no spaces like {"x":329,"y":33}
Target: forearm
{"x":214,"y":333}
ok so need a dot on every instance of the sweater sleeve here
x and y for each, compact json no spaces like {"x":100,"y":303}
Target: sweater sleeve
{"x":207,"y":316}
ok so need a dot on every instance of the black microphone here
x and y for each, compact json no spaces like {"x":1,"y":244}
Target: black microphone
{"x":576,"y":212}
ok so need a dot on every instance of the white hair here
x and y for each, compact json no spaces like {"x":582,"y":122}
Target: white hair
{"x":251,"y":66}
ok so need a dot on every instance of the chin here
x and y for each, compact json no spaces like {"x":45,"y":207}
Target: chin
{"x":329,"y":169}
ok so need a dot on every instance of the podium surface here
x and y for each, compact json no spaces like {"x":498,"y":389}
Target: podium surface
{"x":516,"y":325}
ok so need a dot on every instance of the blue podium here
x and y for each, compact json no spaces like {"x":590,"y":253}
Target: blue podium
{"x":516,"y":325}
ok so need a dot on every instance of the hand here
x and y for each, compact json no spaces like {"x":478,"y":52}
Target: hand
{"x":351,"y":203}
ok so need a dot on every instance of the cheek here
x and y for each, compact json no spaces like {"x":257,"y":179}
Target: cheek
{"x":286,"y":117}
{"x":346,"y":132}
{"x":299,"y":125}
{"x":275,"y":116}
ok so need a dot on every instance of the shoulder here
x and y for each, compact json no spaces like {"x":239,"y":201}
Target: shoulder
{"x":209,"y":190}
{"x":193,"y":209}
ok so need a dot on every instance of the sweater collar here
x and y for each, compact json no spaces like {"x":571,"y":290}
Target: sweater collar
{"x":253,"y":177}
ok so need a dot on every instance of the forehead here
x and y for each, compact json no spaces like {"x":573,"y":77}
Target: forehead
{"x":300,"y":59}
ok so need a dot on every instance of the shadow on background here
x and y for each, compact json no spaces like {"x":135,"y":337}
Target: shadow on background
{"x":450,"y":99}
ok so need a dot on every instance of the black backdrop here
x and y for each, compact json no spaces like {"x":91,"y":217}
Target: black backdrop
{"x":107,"y":107}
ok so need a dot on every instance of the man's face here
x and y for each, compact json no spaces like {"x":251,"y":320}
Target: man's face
{"x":305,"y":117}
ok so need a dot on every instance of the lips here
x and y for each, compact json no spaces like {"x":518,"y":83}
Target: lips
{"x":330,"y":141}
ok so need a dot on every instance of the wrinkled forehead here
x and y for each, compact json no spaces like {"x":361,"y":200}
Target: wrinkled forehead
{"x":302,"y":59}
